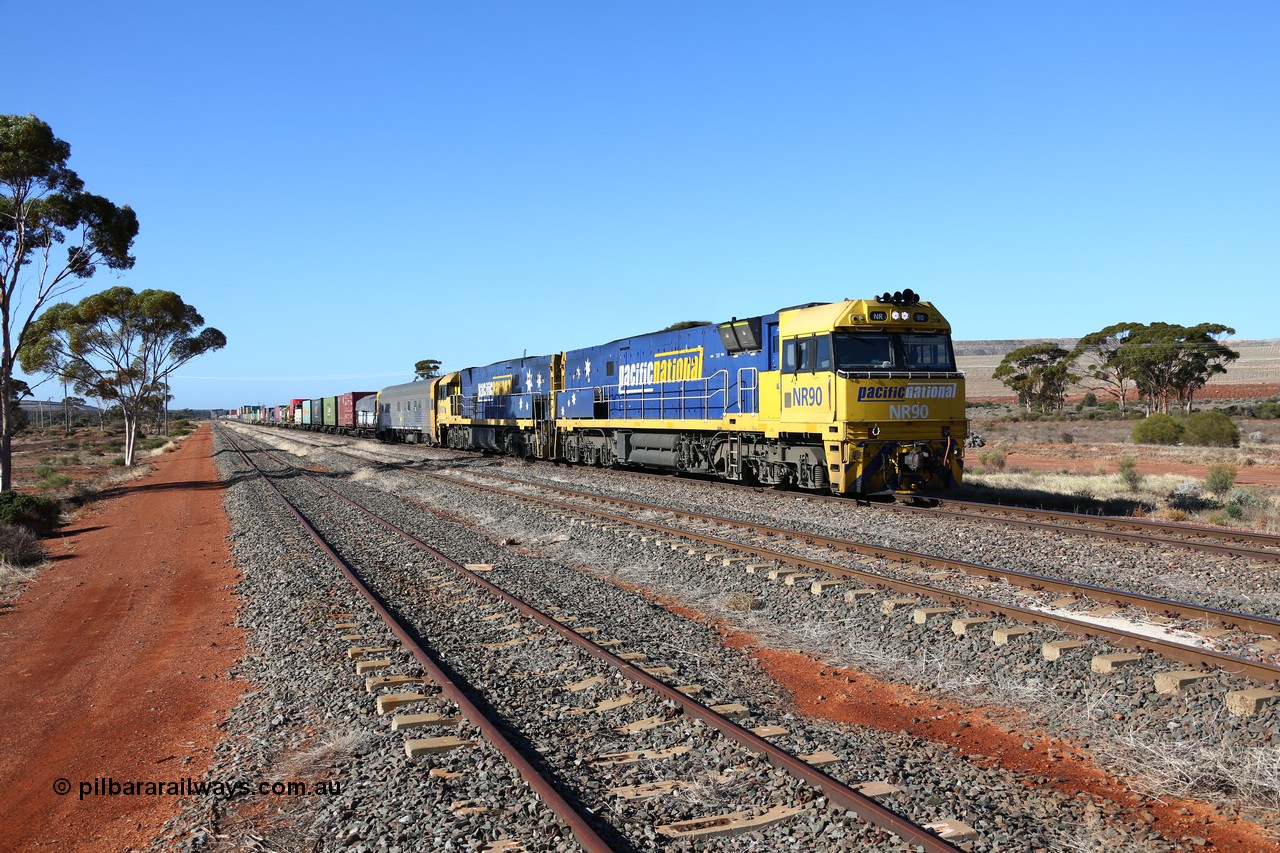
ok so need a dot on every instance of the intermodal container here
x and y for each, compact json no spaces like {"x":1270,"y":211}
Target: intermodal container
{"x":347,"y":407}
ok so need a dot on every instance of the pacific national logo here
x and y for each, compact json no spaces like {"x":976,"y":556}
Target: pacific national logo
{"x":676,"y":366}
{"x":909,"y":391}
{"x":498,"y":386}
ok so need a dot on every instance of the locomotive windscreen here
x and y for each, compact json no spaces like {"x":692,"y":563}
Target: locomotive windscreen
{"x":893,"y":351}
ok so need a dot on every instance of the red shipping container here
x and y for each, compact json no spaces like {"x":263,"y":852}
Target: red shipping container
{"x":347,"y":407}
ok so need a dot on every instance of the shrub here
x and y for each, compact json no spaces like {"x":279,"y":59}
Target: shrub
{"x":39,"y":515}
{"x":1244,"y":497}
{"x":19,"y":546}
{"x":1091,"y":399}
{"x":1157,"y":429}
{"x":993,"y":459}
{"x":1210,"y":429}
{"x":1257,"y":437}
{"x":1068,"y":438}
{"x":1187,"y":497}
{"x":118,"y":461}
{"x":1269,"y":410}
{"x":1235,"y":511}
{"x":1129,"y":474}
{"x":1220,"y":478}
{"x":43,"y":471}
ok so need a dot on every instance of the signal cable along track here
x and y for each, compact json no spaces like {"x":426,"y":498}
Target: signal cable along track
{"x":1253,"y":670}
{"x":860,"y":805}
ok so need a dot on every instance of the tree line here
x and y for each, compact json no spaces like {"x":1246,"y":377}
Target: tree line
{"x":1162,"y":364}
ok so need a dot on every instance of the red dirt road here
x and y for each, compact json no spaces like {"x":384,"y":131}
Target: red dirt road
{"x":114,"y":662}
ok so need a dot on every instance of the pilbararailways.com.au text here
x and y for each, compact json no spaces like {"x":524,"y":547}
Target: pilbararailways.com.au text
{"x":109,"y":786}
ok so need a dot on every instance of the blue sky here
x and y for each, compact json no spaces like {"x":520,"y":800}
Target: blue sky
{"x":344,"y":188}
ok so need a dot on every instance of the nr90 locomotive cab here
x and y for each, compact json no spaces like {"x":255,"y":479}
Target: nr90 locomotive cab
{"x":876,"y":380}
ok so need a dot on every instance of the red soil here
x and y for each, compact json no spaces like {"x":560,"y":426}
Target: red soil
{"x":114,"y":661}
{"x":990,"y":735}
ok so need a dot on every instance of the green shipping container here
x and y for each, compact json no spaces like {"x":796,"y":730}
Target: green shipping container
{"x":331,"y":411}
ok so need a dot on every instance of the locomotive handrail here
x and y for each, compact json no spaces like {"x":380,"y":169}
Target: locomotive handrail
{"x":645,"y":395}
{"x":743,"y":388}
{"x":900,"y":374}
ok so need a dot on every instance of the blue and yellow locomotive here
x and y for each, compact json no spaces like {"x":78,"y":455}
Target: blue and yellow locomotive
{"x":857,"y":397}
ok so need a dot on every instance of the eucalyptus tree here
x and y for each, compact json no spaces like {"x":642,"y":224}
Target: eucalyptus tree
{"x":1039,"y":374}
{"x":428,"y":368}
{"x":120,"y":346}
{"x":53,"y":236}
{"x":1169,"y":362}
{"x":1101,"y":355}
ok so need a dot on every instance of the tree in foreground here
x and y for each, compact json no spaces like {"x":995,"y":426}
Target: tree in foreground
{"x":428,"y":368}
{"x":120,"y":346}
{"x":1039,"y":374}
{"x":53,"y":236}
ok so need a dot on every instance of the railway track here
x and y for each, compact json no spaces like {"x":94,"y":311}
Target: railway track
{"x":476,"y":609}
{"x":1264,"y":673}
{"x":1251,"y":545}
{"x":876,"y":558}
{"x":847,"y":636}
{"x":1215,"y":540}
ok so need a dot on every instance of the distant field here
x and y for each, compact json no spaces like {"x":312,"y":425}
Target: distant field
{"x":1258,"y":367}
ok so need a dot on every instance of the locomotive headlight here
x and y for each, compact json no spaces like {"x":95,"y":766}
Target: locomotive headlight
{"x":895,"y":315}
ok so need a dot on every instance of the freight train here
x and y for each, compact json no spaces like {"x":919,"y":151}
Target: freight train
{"x":860,"y":397}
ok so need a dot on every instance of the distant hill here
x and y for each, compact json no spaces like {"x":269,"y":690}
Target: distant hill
{"x":1002,"y":348}
{"x":32,"y":407}
{"x":1258,"y":365}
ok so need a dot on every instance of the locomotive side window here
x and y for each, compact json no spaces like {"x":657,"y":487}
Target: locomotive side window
{"x":806,"y":358}
{"x":789,"y":356}
{"x":824,"y":353}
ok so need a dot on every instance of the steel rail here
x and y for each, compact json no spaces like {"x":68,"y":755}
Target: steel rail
{"x":582,"y":831}
{"x":858,"y":804}
{"x":1102,"y":526}
{"x":1168,"y":607}
{"x":1078,"y":524}
{"x":1253,"y":670}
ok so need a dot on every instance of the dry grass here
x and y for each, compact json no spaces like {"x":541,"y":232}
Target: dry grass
{"x":12,"y":575}
{"x":322,"y":755}
{"x":1096,"y":486}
